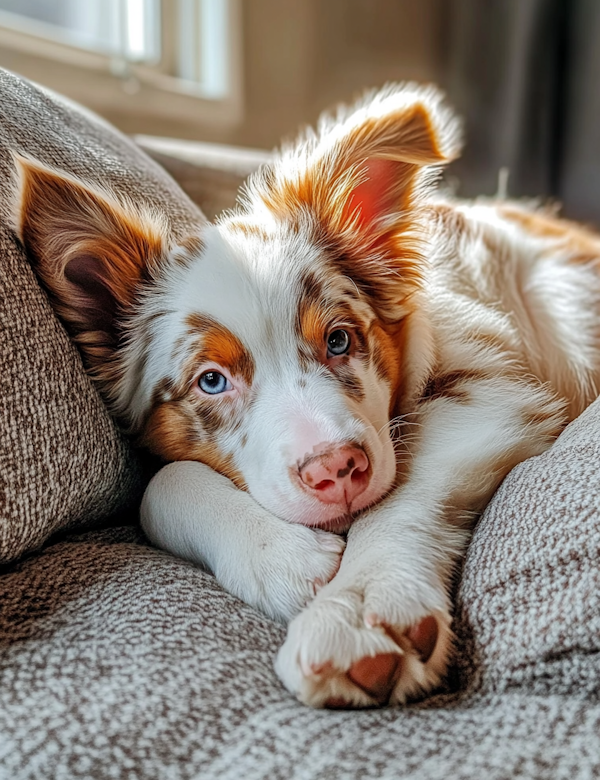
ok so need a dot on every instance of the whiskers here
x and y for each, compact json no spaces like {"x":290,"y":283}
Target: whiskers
{"x":403,"y":432}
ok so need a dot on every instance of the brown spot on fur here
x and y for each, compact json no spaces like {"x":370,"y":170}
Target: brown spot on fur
{"x":351,"y":383}
{"x":493,"y":341}
{"x":221,"y":346}
{"x":386,"y":283}
{"x":383,"y":343}
{"x":165,"y":390}
{"x":311,"y":323}
{"x":172,"y":432}
{"x":387,"y":344}
{"x":451,"y":385}
{"x":213,"y":419}
{"x":248,"y":229}
{"x":541,"y":417}
{"x":583,"y":244}
{"x":191,"y":247}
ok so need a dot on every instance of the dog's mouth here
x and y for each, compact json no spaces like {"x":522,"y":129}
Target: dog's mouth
{"x":342,"y":523}
{"x":337,"y":525}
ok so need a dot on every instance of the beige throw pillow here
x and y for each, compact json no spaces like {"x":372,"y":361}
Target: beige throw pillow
{"x":62,"y":460}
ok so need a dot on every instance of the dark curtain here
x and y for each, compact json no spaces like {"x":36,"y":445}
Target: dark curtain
{"x":525,"y":75}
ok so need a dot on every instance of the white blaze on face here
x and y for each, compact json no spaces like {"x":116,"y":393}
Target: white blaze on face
{"x":296,"y":404}
{"x":293,"y":419}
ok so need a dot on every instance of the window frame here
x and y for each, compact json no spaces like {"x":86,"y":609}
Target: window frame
{"x":113,"y":84}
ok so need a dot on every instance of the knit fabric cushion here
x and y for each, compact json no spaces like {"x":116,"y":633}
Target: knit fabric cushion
{"x":529,"y":601}
{"x":120,"y":661}
{"x":62,"y":459}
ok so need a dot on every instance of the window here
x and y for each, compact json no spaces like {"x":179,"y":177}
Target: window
{"x":129,"y":28}
{"x":203,"y":45}
{"x":185,"y":49}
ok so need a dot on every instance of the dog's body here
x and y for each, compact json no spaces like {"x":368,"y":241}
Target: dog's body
{"x":351,"y":353}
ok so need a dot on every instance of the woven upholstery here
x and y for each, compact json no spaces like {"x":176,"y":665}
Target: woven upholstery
{"x":530,"y":591}
{"x":117,"y":660}
{"x":62,"y":460}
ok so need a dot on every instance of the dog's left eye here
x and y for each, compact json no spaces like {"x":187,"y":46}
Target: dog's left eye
{"x":338,"y":342}
{"x":213,"y":383}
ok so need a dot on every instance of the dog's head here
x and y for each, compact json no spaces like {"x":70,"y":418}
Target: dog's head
{"x":273,"y":345}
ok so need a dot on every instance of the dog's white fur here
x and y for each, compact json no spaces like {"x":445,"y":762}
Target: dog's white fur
{"x":474,"y":333}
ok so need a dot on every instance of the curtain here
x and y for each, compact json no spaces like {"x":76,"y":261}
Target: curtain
{"x":525,"y":75}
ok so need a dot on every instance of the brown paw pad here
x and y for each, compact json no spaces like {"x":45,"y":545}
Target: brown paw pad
{"x":424,"y":637}
{"x":377,"y":675}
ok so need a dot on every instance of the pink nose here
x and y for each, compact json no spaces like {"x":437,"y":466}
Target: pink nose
{"x":336,"y":475}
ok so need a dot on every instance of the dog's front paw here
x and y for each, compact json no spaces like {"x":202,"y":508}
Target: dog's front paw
{"x":295,"y":565}
{"x":346,"y":651}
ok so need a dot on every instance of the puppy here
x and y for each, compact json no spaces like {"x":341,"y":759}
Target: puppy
{"x":345,"y":352}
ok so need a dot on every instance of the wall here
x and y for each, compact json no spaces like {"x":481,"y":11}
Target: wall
{"x":297,"y":57}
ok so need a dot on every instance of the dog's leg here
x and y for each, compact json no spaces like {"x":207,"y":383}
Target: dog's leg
{"x":380,"y":630}
{"x":197,"y":514}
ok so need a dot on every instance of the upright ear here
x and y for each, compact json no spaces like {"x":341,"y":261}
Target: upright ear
{"x":90,"y":250}
{"x":361,"y":179}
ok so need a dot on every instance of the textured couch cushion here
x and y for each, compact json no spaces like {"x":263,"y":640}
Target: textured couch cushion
{"x":62,"y":459}
{"x":529,"y":602}
{"x":117,"y":660}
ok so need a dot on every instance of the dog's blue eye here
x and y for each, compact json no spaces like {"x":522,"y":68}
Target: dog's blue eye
{"x":213,"y":383}
{"x":338,"y":342}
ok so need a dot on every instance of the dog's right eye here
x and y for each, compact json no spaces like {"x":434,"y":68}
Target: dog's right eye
{"x":338,"y":342}
{"x":213,"y":383}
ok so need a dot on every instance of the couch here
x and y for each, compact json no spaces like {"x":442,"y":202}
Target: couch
{"x":118,"y":660}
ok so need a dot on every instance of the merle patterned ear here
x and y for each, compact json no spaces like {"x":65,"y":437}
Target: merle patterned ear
{"x":90,"y":251}
{"x":381,"y":150}
{"x":362,"y":175}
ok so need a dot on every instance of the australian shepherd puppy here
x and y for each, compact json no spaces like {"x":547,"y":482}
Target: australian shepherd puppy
{"x":345,"y":353}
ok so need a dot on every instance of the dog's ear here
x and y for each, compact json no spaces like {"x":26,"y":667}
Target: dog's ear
{"x":91,"y":251}
{"x":360,"y":178}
